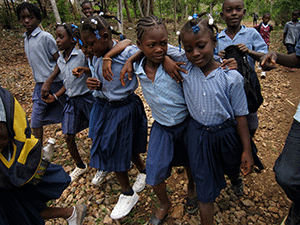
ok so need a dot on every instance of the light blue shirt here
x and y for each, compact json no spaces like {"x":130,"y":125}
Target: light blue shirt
{"x":292,"y":32}
{"x":213,"y":99}
{"x":297,"y":115}
{"x":74,"y":86}
{"x":96,"y":93}
{"x":40,"y":46}
{"x":113,"y":90}
{"x":164,"y":96}
{"x":2,"y":112}
{"x":246,"y":35}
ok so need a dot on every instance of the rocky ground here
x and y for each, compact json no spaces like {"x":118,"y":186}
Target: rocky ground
{"x":264,"y":202}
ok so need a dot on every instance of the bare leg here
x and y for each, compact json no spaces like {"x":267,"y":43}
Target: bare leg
{"x":56,"y":212}
{"x":161,"y":192}
{"x":138,"y":162}
{"x":191,"y":184}
{"x":123,"y":181}
{"x":72,"y":147}
{"x":207,"y":213}
{"x":38,"y":133}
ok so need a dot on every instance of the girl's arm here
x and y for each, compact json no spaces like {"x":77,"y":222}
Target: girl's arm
{"x":128,"y":66}
{"x":55,"y":56}
{"x":116,"y":50}
{"x":93,"y":83}
{"x":52,"y":97}
{"x":77,"y":72}
{"x":246,"y":159}
{"x":47,"y":84}
{"x":173,"y":68}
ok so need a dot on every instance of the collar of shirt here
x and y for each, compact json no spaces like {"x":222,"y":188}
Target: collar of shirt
{"x":34,"y":33}
{"x":139,"y":69}
{"x":73,"y":53}
{"x":241,"y":31}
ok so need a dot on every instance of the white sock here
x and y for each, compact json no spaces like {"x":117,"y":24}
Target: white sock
{"x":72,"y":219}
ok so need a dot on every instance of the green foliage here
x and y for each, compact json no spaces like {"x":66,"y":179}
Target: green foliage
{"x":7,"y":20}
{"x":282,"y":10}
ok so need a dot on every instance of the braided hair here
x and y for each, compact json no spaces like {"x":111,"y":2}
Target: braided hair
{"x":72,"y":31}
{"x":147,"y":22}
{"x":193,"y":26}
{"x":95,"y":24}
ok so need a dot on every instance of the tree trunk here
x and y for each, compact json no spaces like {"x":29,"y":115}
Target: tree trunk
{"x":211,"y":8}
{"x":127,"y":11}
{"x":175,"y":17}
{"x":148,"y":8}
{"x":140,"y":8}
{"x":135,"y":9}
{"x":55,"y":11}
{"x":43,"y":9}
{"x":120,"y":15}
{"x":78,"y":8}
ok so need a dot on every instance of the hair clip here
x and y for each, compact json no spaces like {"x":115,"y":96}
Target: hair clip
{"x":80,"y":42}
{"x":190,"y":18}
{"x":96,"y":32}
{"x":179,"y":47}
{"x":196,"y":29}
{"x":210,"y":19}
{"x":195,"y":16}
{"x":74,"y":26}
{"x":101,"y":13}
{"x":63,"y":24}
{"x":94,"y":21}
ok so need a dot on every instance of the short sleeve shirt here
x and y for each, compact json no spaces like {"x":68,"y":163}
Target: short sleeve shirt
{"x":215,"y":98}
{"x":113,"y":90}
{"x":40,"y":46}
{"x":2,"y":112}
{"x":246,"y":35}
{"x":297,"y":115}
{"x":74,"y":86}
{"x":292,"y":32}
{"x":164,"y":96}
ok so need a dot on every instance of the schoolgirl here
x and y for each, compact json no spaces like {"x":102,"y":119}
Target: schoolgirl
{"x":217,"y":134}
{"x":118,"y":122}
{"x":80,"y":100}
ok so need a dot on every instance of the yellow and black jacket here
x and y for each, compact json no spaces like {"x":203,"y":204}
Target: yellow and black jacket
{"x":20,"y":160}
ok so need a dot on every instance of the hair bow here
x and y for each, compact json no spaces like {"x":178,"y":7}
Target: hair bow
{"x":96,"y":32}
{"x":196,"y":29}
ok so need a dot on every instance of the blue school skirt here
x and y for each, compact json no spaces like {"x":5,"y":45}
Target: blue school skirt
{"x":22,"y":205}
{"x":76,"y":114}
{"x":47,"y":113}
{"x":119,"y":130}
{"x":166,"y":148}
{"x":213,"y":152}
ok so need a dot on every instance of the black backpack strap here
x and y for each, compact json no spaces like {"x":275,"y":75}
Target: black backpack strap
{"x":8,"y":102}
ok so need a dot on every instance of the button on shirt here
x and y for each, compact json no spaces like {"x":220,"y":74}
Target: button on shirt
{"x":293,"y":31}
{"x":74,"y":86}
{"x":213,"y":99}
{"x":113,"y":90}
{"x":246,"y":35}
{"x":297,"y":115}
{"x":164,"y":96}
{"x":39,"y":48}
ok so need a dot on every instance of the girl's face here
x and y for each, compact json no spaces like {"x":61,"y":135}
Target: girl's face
{"x":266,"y":19}
{"x":87,"y":9}
{"x":29,"y":21}
{"x":63,"y":39}
{"x":154,"y":43}
{"x":94,"y":45}
{"x":233,"y":12}
{"x":84,"y":49}
{"x":199,"y":48}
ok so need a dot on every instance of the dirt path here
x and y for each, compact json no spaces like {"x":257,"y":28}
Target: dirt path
{"x":263,"y":202}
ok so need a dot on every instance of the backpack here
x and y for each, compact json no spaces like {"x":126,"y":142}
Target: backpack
{"x":251,"y":82}
{"x":21,"y":159}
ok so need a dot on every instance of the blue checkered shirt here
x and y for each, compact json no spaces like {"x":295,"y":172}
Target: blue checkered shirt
{"x":164,"y":96}
{"x":215,"y":98}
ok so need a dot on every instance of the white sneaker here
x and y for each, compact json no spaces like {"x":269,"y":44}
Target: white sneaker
{"x":77,"y":172}
{"x":77,"y":217}
{"x":99,"y":177}
{"x":263,"y":74}
{"x":124,"y":206}
{"x":140,"y":183}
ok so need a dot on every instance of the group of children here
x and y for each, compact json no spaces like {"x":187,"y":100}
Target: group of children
{"x":202,"y":122}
